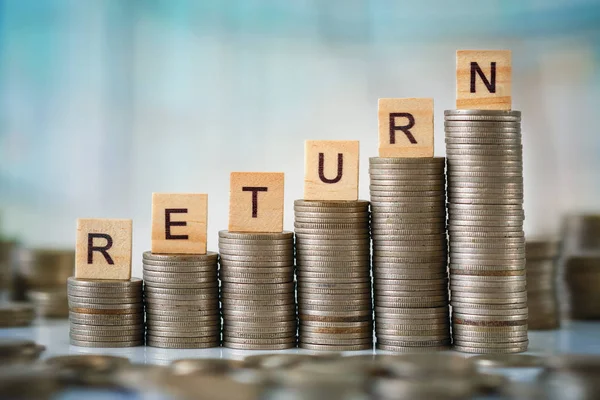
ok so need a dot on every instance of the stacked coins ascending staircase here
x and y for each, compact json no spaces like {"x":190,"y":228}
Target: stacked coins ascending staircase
{"x":334,"y":275}
{"x":408,"y":225}
{"x":485,"y":226}
{"x":182,"y":300}
{"x":542,"y":257}
{"x":106,"y":313}
{"x":258,"y":290}
{"x":43,"y":273}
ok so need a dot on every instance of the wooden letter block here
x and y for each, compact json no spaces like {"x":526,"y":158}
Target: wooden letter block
{"x":256,"y":202}
{"x":405,"y":127}
{"x":179,"y":222}
{"x":483,"y":79}
{"x":331,"y":170}
{"x":103,"y":249}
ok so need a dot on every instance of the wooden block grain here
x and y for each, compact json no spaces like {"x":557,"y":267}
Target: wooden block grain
{"x":256,"y":202}
{"x":331,"y":170}
{"x":179,"y":223}
{"x":103,"y":249}
{"x":483,"y":79}
{"x":405,"y":127}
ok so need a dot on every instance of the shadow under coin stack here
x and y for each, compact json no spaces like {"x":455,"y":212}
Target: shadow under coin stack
{"x":182,"y":300}
{"x":543,"y":307}
{"x":258,"y":290}
{"x":485,"y":226}
{"x":43,"y":273}
{"x":408,"y":225}
{"x":106,"y":313}
{"x":334,"y":275}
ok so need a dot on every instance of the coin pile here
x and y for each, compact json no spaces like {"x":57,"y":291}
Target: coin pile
{"x":485,"y":226}
{"x":408,"y":225}
{"x":258,"y":290}
{"x":106,"y":313}
{"x":13,"y":314}
{"x":542,"y":256}
{"x":581,"y":277}
{"x":334,"y":275}
{"x":6,"y":253}
{"x":182,"y":300}
{"x":43,"y":273}
{"x":581,"y":232}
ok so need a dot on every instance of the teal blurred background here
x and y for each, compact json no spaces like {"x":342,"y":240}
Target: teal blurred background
{"x":105,"y":101}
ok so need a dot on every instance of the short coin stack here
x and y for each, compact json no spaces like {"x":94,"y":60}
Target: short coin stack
{"x":258,"y":290}
{"x":6,"y":254}
{"x":13,"y":314}
{"x":581,"y":275}
{"x":182,"y":300}
{"x":106,"y":313}
{"x":542,"y":257}
{"x":485,"y":225}
{"x":44,"y":273}
{"x":334,"y":275}
{"x":408,"y":225}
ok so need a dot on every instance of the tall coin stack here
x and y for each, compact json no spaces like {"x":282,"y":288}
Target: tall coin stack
{"x":106,"y":313}
{"x":182,"y":300}
{"x":334,"y":275}
{"x":485,"y":225}
{"x":258,"y":290}
{"x":408,"y":225}
{"x":542,"y":256}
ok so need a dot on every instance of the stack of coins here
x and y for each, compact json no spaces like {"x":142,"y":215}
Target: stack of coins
{"x":43,"y":273}
{"x":581,"y":232}
{"x":581,"y":280}
{"x":6,"y":254}
{"x":542,"y":256}
{"x":13,"y":314}
{"x":258,"y":290}
{"x":334,"y":275}
{"x":106,"y":313}
{"x":182,"y":300}
{"x":408,"y":225}
{"x":485,"y":225}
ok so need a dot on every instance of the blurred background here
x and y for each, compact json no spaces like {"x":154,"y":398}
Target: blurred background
{"x":103,"y":102}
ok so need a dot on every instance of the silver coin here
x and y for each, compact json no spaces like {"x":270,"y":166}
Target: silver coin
{"x":255,"y":236}
{"x":484,"y":114}
{"x":103,"y":293}
{"x":170,"y":284}
{"x":103,"y":344}
{"x":258,"y":243}
{"x":194,"y":270}
{"x":121,"y":338}
{"x":180,"y":298}
{"x":182,"y":258}
{"x":105,"y":300}
{"x":151,"y":275}
{"x":331,"y":204}
{"x":96,"y":319}
{"x":206,"y":264}
{"x":262,"y":346}
{"x":100,"y":283}
{"x":482,"y":124}
{"x":407,"y":161}
{"x":229,"y":270}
